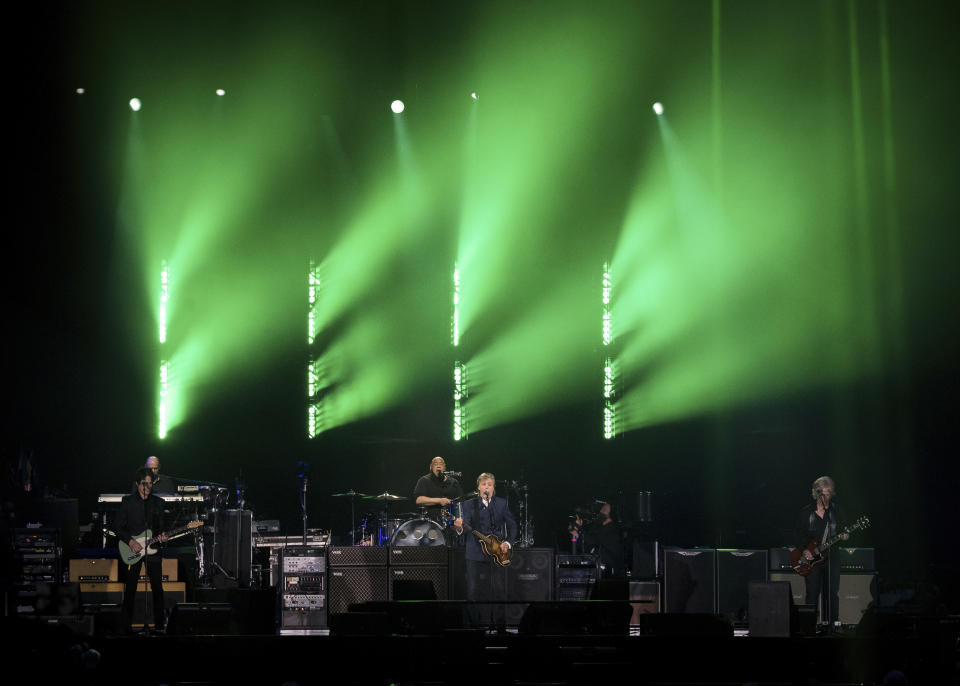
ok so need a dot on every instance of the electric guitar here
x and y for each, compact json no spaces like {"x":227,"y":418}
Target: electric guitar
{"x":146,"y":541}
{"x":492,"y":546}
{"x":803,"y":566}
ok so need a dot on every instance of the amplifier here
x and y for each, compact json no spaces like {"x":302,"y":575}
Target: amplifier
{"x":779,"y":559}
{"x":856,"y":560}
{"x":435,"y":576}
{"x":300,"y":560}
{"x":576,"y":575}
{"x":358,"y":556}
{"x":168,"y":570}
{"x":94,"y":570}
{"x":303,"y":601}
{"x":419,"y":555}
{"x":644,"y":598}
{"x":352,"y":584}
{"x":736,"y":569}
{"x":797,"y":586}
{"x":858,"y":592}
{"x":529,"y":577}
{"x":689,"y":580}
{"x":112,"y":593}
{"x":304,"y":583}
{"x":36,"y":538}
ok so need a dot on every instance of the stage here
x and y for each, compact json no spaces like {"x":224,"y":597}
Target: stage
{"x":923,"y":648}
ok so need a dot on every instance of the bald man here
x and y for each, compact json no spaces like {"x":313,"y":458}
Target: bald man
{"x":434,"y":490}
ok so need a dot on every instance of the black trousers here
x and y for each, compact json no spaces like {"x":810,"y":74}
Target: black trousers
{"x":487,"y":587}
{"x":815,"y":582}
{"x":155,"y":574}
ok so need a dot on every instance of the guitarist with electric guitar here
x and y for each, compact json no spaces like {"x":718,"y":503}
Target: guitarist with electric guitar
{"x":487,"y":519}
{"x":139,"y":512}
{"x":821,"y":524}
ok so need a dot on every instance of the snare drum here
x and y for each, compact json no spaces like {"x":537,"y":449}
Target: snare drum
{"x":422,"y":531}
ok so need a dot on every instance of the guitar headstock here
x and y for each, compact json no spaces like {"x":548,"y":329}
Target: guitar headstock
{"x":861,"y":523}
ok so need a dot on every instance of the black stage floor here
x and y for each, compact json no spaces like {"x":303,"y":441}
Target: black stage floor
{"x":923,"y":649}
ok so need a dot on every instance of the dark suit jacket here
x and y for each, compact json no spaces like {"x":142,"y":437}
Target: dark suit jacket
{"x":495,"y":519}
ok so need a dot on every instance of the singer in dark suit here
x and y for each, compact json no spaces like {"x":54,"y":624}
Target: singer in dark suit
{"x":486,"y":582}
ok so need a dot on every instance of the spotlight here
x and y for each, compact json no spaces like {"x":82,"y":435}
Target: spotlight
{"x":81,"y":91}
{"x":221,"y":92}
{"x":657,"y":108}
{"x":397,"y":106}
{"x":135,"y":104}
{"x":474,"y":95}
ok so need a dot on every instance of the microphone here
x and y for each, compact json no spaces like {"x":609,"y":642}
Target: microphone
{"x":452,"y":473}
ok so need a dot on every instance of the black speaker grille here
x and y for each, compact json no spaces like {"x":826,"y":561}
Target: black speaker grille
{"x":689,"y":580}
{"x":419,"y":555}
{"x":357,"y":556}
{"x":735,"y":570}
{"x":356,"y":585}
{"x":437,"y":575}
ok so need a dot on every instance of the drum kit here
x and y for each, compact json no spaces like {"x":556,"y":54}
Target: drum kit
{"x":384,"y":527}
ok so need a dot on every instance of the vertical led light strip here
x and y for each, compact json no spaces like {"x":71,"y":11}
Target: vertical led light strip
{"x":314,"y":405}
{"x":455,"y":334}
{"x":459,"y":368}
{"x":164,"y":296}
{"x":609,"y":374}
{"x":459,"y":398}
{"x":162,"y":413}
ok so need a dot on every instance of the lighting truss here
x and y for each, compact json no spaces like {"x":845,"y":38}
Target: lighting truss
{"x":460,"y":431}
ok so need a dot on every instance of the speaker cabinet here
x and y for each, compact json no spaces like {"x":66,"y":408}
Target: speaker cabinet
{"x":435,"y":576}
{"x":644,"y":598}
{"x":349,"y":585}
{"x":190,"y":619}
{"x":858,"y":592}
{"x":234,"y":551}
{"x":856,"y":560}
{"x":95,"y":570}
{"x":358,"y":556}
{"x":645,"y":557}
{"x":408,"y":556}
{"x":736,"y":569}
{"x":797,"y":588}
{"x":769,"y":604}
{"x":689,"y":580}
{"x":529,"y":577}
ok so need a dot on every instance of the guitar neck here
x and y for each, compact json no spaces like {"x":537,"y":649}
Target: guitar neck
{"x":169,"y":534}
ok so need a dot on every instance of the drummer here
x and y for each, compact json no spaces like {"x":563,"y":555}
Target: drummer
{"x":435,"y":490}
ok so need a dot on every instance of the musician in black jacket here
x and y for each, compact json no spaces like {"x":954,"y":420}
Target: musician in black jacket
{"x":818,"y":521}
{"x":139,"y":511}
{"x":488,"y":513}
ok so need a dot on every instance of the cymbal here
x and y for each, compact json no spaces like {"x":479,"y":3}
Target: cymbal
{"x":465,"y":496}
{"x":351,"y":493}
{"x":386,"y":496}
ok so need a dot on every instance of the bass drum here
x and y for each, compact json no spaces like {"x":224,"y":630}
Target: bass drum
{"x":424,"y":532}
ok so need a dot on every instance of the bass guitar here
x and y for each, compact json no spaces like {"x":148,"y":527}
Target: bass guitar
{"x":492,"y":546}
{"x":803,"y":566}
{"x":146,"y":541}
